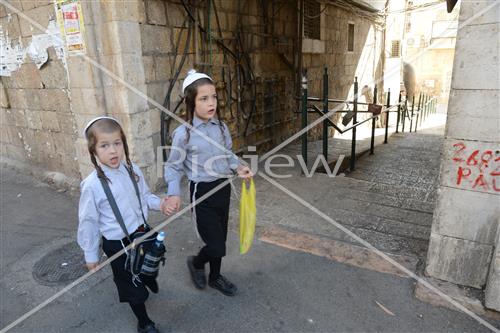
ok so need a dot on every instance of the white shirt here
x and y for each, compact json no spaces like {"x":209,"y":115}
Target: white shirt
{"x":201,"y":160}
{"x":96,"y":216}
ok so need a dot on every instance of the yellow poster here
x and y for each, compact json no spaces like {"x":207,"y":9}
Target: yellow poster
{"x":70,"y":19}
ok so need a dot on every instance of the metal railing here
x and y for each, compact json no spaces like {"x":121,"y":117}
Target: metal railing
{"x":419,"y":113}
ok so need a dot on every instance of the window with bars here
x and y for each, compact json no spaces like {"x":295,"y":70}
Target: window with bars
{"x":312,"y":19}
{"x":396,"y":49}
{"x":350,"y":37}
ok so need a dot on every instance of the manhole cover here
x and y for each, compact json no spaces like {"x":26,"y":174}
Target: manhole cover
{"x":60,"y":266}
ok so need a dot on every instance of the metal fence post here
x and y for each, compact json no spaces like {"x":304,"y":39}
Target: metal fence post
{"x":354,"y":122}
{"x":418,"y":111}
{"x":372,"y":141}
{"x":325,"y":111}
{"x":405,"y":109}
{"x":388,"y":105}
{"x":399,"y":113}
{"x":304,"y":116}
{"x":426,"y":108}
{"x":412,"y":111}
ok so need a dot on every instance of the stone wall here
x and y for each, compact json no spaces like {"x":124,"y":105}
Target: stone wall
{"x":133,"y":49}
{"x":492,"y":299}
{"x":465,"y":219}
{"x":44,"y":111}
{"x":364,"y":62}
{"x":164,"y":41}
{"x":275,"y":116}
{"x":37,"y":121}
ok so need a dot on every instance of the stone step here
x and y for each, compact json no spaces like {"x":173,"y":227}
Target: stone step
{"x":400,"y":202}
{"x":371,"y":218}
{"x":350,"y":215}
{"x":381,"y":240}
{"x":404,"y":197}
{"x":411,"y":168}
{"x":350,"y":200}
{"x":398,"y":186}
{"x":392,"y":222}
{"x":338,"y":251}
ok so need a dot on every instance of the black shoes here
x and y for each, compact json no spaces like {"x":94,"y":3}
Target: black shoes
{"x":200,"y":280}
{"x":197,"y":275}
{"x":149,"y":328}
{"x":224,"y":286}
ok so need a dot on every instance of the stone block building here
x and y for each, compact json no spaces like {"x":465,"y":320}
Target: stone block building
{"x":464,"y":245}
{"x":137,"y":52}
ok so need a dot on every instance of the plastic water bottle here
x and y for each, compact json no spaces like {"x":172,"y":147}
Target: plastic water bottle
{"x":154,"y":256}
{"x":159,"y":246}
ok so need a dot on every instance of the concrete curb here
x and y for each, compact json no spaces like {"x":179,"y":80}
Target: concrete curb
{"x":461,"y":295}
{"x":57,"y":179}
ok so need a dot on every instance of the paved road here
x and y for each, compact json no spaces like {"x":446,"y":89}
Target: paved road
{"x":280,"y":290}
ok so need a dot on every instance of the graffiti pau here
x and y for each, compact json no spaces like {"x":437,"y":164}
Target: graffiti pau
{"x":476,"y":169}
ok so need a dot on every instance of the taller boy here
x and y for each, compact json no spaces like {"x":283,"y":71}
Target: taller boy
{"x":206,"y":165}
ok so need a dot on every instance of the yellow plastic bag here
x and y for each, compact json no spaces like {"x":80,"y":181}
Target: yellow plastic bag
{"x":248,"y":214}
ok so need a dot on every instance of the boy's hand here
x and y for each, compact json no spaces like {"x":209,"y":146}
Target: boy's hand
{"x":91,"y":266}
{"x":172,"y":204}
{"x":244,"y":172}
{"x":163,"y":204}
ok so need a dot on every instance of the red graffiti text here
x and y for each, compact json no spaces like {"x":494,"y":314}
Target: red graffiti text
{"x":478,"y":170}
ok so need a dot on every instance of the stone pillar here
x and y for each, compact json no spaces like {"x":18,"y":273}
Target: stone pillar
{"x":492,"y":299}
{"x":465,"y":219}
{"x":102,"y":86}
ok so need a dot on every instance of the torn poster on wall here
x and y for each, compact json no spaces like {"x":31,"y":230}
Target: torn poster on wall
{"x":12,"y":55}
{"x":70,"y":19}
{"x":37,"y":50}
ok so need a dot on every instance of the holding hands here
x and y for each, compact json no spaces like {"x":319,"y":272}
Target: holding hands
{"x":170,"y":204}
{"x":91,"y":266}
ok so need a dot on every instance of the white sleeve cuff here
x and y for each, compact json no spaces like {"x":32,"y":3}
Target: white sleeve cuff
{"x":91,"y":256}
{"x":154,"y":202}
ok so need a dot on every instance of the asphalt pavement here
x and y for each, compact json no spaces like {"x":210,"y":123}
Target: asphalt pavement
{"x":280,"y":290}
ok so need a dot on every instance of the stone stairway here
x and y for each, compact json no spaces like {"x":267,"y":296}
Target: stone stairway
{"x":388,"y":200}
{"x":404,"y":175}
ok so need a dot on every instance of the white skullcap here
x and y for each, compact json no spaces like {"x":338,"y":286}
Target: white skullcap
{"x":96,"y":119}
{"x":192,"y":76}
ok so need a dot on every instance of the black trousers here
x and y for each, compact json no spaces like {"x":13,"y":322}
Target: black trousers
{"x":212,"y":216}
{"x":127,"y":291}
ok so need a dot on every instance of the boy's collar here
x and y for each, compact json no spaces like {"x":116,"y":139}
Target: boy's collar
{"x":122,"y":168}
{"x":197,"y":121}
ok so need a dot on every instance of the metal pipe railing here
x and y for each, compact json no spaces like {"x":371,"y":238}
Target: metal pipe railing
{"x":426,"y":106}
{"x":399,"y":113}
{"x":405,"y":110}
{"x":388,"y":104}
{"x":304,"y":116}
{"x":334,"y":100}
{"x":325,"y":110}
{"x":374,"y":120}
{"x":418,"y":111}
{"x":412,"y":111}
{"x":354,"y":121}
